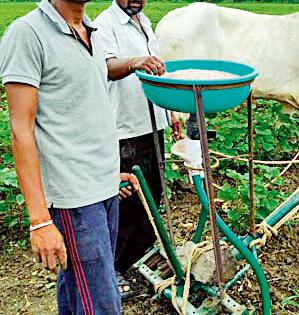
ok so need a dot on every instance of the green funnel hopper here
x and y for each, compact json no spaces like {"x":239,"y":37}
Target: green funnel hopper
{"x":217,"y":95}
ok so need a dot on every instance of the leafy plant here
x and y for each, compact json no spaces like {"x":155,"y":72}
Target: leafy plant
{"x":275,"y":136}
{"x":275,"y":133}
{"x":235,"y":194}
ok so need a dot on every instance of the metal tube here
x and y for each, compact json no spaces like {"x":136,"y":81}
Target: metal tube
{"x":244,"y":251}
{"x":251,"y":170}
{"x":155,"y":279}
{"x":161,"y":168}
{"x":203,"y":216}
{"x":237,"y":277}
{"x":175,"y":264}
{"x":209,"y":180}
{"x":283,"y":209}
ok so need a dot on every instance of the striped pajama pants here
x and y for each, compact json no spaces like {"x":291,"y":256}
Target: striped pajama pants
{"x":88,"y":286}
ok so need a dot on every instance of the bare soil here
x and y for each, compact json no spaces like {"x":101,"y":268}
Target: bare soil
{"x":25,"y":288}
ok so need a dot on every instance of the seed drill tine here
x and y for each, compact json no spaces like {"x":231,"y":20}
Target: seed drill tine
{"x":208,"y":180}
{"x":251,"y":170}
{"x":160,"y":164}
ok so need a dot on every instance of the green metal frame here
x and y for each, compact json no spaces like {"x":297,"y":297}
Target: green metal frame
{"x":197,"y":92}
{"x":234,"y":240}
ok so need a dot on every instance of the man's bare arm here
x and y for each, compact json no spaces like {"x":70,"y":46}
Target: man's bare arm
{"x":22,"y":100}
{"x":46,"y":242}
{"x":120,"y":68}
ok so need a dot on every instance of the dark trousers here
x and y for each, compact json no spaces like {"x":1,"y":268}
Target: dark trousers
{"x":88,"y":286}
{"x":136,"y":234}
{"x":192,"y":128}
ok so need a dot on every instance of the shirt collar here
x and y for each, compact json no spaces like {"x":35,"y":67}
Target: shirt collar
{"x":123,"y":17}
{"x":56,"y":18}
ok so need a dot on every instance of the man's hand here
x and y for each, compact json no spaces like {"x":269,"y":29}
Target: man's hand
{"x":127,"y":191}
{"x":176,"y":127}
{"x":48,"y":246}
{"x":121,"y":68}
{"x":150,"y":64}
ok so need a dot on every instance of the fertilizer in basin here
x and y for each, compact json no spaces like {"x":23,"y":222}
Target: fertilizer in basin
{"x":198,"y":74}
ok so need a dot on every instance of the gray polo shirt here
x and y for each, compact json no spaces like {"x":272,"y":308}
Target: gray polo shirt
{"x":121,"y":37}
{"x":75,"y":129}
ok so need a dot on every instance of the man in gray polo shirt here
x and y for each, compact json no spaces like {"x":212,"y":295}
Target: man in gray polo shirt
{"x":65,"y":147}
{"x":129,"y":43}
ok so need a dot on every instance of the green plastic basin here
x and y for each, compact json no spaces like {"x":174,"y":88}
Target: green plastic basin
{"x":215,"y":100}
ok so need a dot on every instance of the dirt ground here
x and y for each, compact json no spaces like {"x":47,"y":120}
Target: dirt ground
{"x":25,"y":288}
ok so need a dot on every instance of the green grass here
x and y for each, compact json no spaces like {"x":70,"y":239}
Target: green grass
{"x":11,"y":11}
{"x":154,"y":10}
{"x":292,"y":300}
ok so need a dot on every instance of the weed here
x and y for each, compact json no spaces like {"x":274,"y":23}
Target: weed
{"x":292,"y":300}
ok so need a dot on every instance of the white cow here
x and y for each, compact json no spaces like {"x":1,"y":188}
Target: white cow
{"x":269,"y":43}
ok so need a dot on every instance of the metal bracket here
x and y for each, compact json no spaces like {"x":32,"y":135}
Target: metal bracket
{"x":210,"y":306}
{"x":233,"y":307}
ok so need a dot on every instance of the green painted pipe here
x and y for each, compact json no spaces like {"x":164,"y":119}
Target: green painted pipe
{"x":283,"y":209}
{"x":239,"y":275}
{"x":261,"y":278}
{"x":244,"y":251}
{"x":203,"y":216}
{"x":175,"y":264}
{"x":274,"y":217}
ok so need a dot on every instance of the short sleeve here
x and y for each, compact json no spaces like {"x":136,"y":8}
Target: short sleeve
{"x":21,"y":55}
{"x":107,"y":38}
